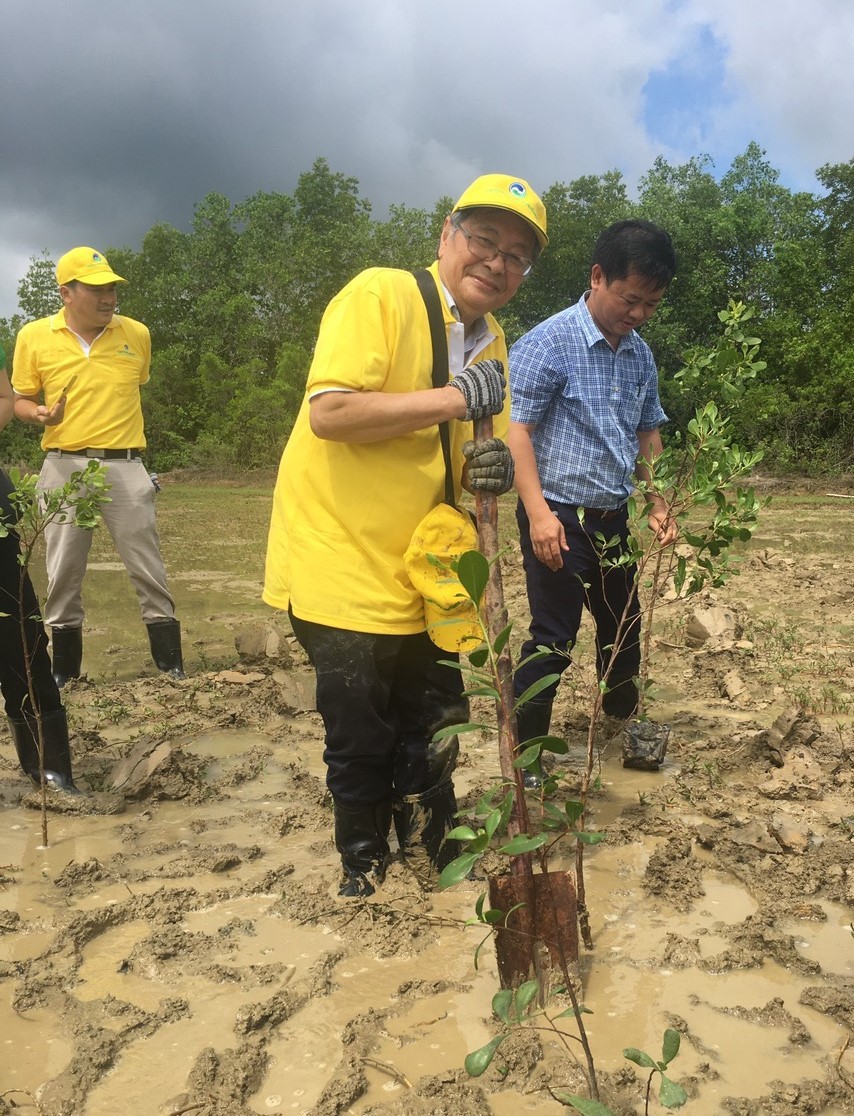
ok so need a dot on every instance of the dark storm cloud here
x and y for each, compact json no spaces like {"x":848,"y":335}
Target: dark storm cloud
{"x":117,"y":116}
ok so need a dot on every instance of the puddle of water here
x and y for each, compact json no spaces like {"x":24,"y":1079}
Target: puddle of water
{"x":102,"y":970}
{"x":637,"y":996}
{"x":829,"y":943}
{"x":131,"y":1086}
{"x":437,"y":1029}
{"x":220,"y":746}
{"x":632,"y":996}
{"x":71,"y":839}
{"x":273,"y":939}
{"x":32,"y":1048}
{"x":24,"y":947}
{"x":152,"y":1072}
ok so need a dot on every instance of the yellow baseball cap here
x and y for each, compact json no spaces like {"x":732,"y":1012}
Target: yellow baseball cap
{"x":438,"y":541}
{"x":502,"y":191}
{"x":87,"y":265}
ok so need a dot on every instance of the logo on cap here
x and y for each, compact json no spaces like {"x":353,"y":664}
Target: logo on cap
{"x":517,"y":189}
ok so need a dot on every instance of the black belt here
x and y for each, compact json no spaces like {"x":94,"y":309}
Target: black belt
{"x":100,"y":454}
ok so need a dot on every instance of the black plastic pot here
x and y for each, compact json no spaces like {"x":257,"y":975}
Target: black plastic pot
{"x":644,"y":744}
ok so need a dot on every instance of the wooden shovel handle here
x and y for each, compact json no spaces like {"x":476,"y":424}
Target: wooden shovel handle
{"x":486,"y":505}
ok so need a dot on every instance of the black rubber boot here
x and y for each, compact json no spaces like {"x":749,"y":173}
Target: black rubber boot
{"x":164,"y":636}
{"x":533,"y":720}
{"x":361,"y":837}
{"x":57,"y":751}
{"x":67,"y":653}
{"x":422,"y":823}
{"x":621,"y":702}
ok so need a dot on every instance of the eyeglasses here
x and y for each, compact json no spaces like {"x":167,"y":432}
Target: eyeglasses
{"x":487,"y":250}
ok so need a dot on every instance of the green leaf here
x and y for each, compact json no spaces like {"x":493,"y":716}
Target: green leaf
{"x":639,"y":1057}
{"x":501,"y":1004}
{"x":483,"y":691}
{"x":670,"y":1045}
{"x":588,"y":838}
{"x":500,"y":641}
{"x":479,"y":1061}
{"x":534,"y":689}
{"x":554,"y":813}
{"x":492,"y":916}
{"x":455,"y":730}
{"x":527,"y":756}
{"x":554,"y":744}
{"x":573,"y":811}
{"x":492,"y":821}
{"x":458,"y":869}
{"x":479,"y":656}
{"x":584,"y":1105}
{"x":462,"y":833}
{"x":473,"y":572}
{"x":525,"y":995}
{"x":571,"y":1012}
{"x":522,"y":844}
{"x":671,"y":1094}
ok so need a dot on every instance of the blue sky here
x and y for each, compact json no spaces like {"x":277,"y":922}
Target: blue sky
{"x":119,"y":116}
{"x":680,"y":101}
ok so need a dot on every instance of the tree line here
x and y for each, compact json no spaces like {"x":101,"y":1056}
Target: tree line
{"x":234,"y":304}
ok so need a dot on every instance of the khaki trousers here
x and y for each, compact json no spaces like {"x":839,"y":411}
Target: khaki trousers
{"x":130,"y":519}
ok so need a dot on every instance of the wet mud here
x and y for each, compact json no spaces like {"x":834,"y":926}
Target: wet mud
{"x":179,"y":945}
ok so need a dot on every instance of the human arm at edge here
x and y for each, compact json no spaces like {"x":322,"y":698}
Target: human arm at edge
{"x":28,"y":409}
{"x":7,"y":399}
{"x":548,"y":537}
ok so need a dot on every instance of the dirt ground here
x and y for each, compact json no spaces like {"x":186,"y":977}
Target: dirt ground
{"x":182,"y":948}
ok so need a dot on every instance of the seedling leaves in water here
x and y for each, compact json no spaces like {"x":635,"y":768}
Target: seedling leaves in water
{"x":511,"y":1007}
{"x":584,"y":1105}
{"x":670,"y":1093}
{"x":479,"y":1060}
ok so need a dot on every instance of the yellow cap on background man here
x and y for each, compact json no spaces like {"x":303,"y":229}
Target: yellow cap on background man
{"x":88,"y":265}
{"x":502,"y":191}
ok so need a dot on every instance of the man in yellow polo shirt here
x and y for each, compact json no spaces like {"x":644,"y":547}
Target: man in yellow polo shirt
{"x":363,"y":466}
{"x":87,"y":363}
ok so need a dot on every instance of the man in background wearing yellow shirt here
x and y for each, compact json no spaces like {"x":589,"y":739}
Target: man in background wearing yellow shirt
{"x":362,"y":467}
{"x":87,"y":364}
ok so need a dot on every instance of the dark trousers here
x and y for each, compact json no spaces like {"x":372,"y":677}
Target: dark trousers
{"x":556,"y":599}
{"x":382,"y":698}
{"x":13,"y":674}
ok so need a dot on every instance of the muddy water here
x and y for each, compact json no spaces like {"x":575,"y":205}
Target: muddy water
{"x":633,"y":994}
{"x":190,"y":954}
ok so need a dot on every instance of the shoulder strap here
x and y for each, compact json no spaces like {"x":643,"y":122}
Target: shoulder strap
{"x":439,"y":339}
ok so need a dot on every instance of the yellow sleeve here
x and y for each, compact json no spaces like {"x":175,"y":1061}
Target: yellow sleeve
{"x":26,"y":379}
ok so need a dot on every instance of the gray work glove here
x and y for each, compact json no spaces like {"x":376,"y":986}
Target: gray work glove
{"x":490,"y":466}
{"x":483,"y":388}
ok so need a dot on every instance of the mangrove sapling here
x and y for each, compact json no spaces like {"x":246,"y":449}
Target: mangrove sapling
{"x":670,"y":1093}
{"x":542,"y":915}
{"x":695,"y":475}
{"x":518,"y":1008}
{"x":79,"y":500}
{"x":696,"y":481}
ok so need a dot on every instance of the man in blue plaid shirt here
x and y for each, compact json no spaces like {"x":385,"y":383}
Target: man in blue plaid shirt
{"x":585,"y":420}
